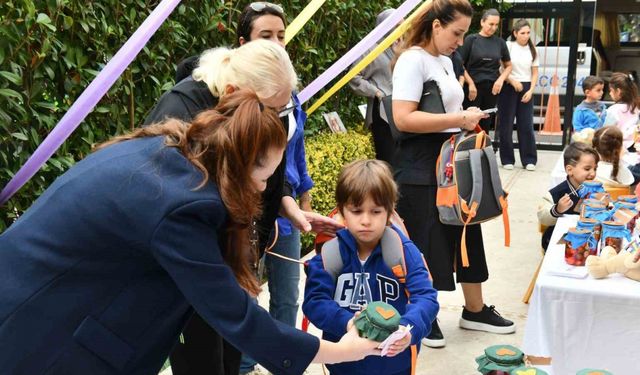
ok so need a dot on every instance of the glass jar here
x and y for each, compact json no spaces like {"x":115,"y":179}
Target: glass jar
{"x":598,"y":211}
{"x":590,"y":187}
{"x":578,"y":245}
{"x":602,"y":197}
{"x":628,"y":198}
{"x":613,"y":234}
{"x":592,"y":225}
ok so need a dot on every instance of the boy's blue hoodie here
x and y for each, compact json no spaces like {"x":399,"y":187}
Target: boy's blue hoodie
{"x":589,"y":115}
{"x":329,"y":306}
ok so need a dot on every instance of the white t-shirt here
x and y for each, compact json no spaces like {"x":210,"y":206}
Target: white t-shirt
{"x":521,"y":62}
{"x":415,"y":67}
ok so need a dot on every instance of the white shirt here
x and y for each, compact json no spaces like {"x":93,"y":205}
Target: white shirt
{"x":415,"y":67}
{"x":521,"y":62}
{"x":603,"y":174}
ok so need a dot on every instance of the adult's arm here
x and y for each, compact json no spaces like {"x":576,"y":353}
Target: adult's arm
{"x":185,"y":243}
{"x":360,"y":83}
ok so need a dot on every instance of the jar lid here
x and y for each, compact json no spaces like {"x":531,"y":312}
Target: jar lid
{"x":590,"y":371}
{"x":504,"y":354}
{"x":527,"y":370}
{"x":377,"y":321}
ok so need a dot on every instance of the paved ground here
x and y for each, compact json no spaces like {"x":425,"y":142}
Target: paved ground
{"x":510,"y":273}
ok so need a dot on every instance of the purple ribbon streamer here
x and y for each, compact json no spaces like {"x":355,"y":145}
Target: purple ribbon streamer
{"x":358,"y":50}
{"x":89,"y":98}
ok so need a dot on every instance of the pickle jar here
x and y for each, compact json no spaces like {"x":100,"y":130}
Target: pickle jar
{"x":598,"y":211}
{"x":613,"y":234}
{"x":578,"y":245}
{"x":592,"y":225}
{"x":590,"y":187}
{"x":628,"y":198}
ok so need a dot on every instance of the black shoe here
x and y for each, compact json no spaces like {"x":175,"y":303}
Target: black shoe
{"x":488,"y":320}
{"x":435,"y":338}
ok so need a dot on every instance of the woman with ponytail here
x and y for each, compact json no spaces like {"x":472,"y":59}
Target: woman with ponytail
{"x":432,"y":37}
{"x":102,"y":272}
{"x":608,"y":142}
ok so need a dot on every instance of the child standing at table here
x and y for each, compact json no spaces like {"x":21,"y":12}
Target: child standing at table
{"x":607,"y":142}
{"x":366,"y":195}
{"x":626,"y":111}
{"x":590,"y":113}
{"x":580,"y":163}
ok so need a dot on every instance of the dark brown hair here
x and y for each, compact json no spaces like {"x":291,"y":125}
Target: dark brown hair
{"x":421,"y":28}
{"x":574,"y":152}
{"x":225,"y":144}
{"x":590,"y":82}
{"x":248,"y":17}
{"x":608,"y":143}
{"x":366,"y":178}
{"x":628,"y":89}
{"x":516,"y":28}
{"x":490,"y":12}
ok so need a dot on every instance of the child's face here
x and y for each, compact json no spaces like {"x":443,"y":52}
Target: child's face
{"x":595,"y":93}
{"x":584,"y":170}
{"x":614,"y":93}
{"x":366,"y":222}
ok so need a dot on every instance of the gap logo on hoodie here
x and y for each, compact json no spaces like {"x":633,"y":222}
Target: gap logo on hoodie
{"x":353,"y":290}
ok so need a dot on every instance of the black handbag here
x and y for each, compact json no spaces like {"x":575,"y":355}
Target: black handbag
{"x":431,"y":101}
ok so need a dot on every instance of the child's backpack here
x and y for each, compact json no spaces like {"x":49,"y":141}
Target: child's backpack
{"x":469,"y":187}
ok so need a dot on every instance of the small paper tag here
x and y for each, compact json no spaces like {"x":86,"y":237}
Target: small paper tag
{"x":623,"y":215}
{"x":396,"y":336}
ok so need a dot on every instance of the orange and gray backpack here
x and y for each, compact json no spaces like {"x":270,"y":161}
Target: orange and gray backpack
{"x":469,"y":187}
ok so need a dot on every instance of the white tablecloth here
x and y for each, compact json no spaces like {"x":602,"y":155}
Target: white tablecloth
{"x":582,"y":323}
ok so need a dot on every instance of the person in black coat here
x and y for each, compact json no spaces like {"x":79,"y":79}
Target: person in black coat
{"x":101,"y":273}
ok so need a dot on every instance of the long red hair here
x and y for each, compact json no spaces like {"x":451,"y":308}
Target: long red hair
{"x":225,"y":144}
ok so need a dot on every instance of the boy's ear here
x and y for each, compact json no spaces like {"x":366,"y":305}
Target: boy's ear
{"x":568,"y":169}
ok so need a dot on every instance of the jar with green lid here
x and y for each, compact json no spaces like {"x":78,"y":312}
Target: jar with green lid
{"x":377,"y":321}
{"x":500,"y":359}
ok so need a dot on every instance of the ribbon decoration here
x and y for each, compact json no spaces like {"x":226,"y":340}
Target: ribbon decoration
{"x":296,"y":25}
{"x":386,"y":43}
{"x":89,"y":98}
{"x":357,"y":51}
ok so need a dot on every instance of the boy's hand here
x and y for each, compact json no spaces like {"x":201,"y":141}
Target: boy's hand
{"x":564,"y":204}
{"x":399,"y":346}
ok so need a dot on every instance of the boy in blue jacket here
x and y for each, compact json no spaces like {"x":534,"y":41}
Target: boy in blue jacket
{"x":366,"y":195}
{"x":591,"y":112}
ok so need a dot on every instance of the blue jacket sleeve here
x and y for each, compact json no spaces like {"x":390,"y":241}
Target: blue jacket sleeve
{"x":301,"y":164}
{"x":185,"y":244}
{"x":423,"y":298}
{"x":578,"y":120}
{"x":318,"y":305}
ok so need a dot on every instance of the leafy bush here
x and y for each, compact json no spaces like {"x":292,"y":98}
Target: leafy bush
{"x":326,"y":154}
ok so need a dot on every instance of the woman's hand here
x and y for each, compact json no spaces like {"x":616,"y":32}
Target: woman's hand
{"x":473,"y":92}
{"x":356,"y":347}
{"x":399,"y":346}
{"x":471,"y":117}
{"x":497,"y":87}
{"x":517,"y":85}
{"x":527,"y":96}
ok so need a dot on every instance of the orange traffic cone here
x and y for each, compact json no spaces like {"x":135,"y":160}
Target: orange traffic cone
{"x":552,"y":117}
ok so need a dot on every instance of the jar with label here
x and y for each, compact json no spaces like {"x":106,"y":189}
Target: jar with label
{"x":592,"y":225}
{"x":613,"y":234}
{"x":578,"y":245}
{"x":590,"y":187}
{"x":597,"y":211}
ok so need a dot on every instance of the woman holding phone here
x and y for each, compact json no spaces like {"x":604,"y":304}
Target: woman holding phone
{"x":431,"y":38}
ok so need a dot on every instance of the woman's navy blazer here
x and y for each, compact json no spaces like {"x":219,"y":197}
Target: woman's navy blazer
{"x":102,"y":272}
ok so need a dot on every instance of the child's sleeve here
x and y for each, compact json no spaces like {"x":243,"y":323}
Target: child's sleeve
{"x":577,"y":122}
{"x":547,"y":214}
{"x":318,"y":304}
{"x":423,"y":298}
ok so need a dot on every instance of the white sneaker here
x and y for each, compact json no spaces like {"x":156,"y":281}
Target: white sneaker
{"x":508,"y":167}
{"x":530,"y":167}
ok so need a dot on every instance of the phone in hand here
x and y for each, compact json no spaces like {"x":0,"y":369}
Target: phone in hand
{"x":490,"y":110}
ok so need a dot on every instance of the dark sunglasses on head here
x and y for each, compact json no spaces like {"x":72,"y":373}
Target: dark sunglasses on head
{"x":259,"y":6}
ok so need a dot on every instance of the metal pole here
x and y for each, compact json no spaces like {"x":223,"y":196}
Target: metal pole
{"x":571,"y":72}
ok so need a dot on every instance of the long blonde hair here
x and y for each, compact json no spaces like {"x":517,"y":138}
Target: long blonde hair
{"x":225,"y":144}
{"x":260,"y":65}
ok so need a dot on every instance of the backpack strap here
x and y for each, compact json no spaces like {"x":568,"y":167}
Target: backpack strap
{"x":393,"y":253}
{"x":499,"y":194}
{"x":471,"y":208}
{"x":331,"y":258}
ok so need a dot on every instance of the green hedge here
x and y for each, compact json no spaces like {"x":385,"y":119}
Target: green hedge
{"x":326,"y":154}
